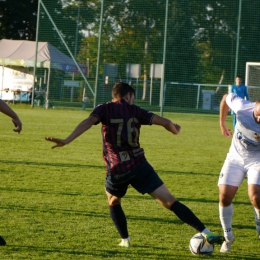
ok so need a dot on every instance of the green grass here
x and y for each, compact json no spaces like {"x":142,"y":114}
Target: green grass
{"x":53,"y":204}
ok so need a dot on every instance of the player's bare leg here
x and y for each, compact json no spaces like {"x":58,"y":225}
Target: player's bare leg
{"x":163,"y":196}
{"x":254,"y":196}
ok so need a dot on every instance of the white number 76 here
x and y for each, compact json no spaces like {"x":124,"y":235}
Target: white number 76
{"x":130,"y":130}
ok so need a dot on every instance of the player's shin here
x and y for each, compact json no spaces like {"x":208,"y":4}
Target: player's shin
{"x":225,"y":216}
{"x":257,"y":221}
{"x":118,"y":216}
{"x":187,"y":216}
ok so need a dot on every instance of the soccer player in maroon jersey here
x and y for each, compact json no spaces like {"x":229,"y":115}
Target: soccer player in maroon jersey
{"x":5,"y":109}
{"x":125,"y":160}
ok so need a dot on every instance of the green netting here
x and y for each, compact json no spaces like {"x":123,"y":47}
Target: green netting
{"x":179,"y":55}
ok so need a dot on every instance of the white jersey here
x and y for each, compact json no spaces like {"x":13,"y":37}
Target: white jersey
{"x":246,"y":138}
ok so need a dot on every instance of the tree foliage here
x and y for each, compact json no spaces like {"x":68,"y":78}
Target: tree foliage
{"x":18,"y":19}
{"x":202,"y":35}
{"x":181,"y":59}
{"x":130,"y":32}
{"x":217,"y":37}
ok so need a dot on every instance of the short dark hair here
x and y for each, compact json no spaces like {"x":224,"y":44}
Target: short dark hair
{"x":258,"y":101}
{"x":120,"y":89}
{"x":238,"y":76}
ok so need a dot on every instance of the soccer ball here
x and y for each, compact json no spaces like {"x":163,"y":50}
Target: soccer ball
{"x":200,"y":246}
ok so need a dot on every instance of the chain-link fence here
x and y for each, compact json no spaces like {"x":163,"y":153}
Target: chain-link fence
{"x":177,"y":54}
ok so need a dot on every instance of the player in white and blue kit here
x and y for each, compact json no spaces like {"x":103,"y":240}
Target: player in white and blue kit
{"x":243,"y":158}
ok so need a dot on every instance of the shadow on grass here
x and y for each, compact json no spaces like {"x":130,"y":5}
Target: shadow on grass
{"x":95,"y":214}
{"x":94,"y":166}
{"x":53,"y":164}
{"x":199,"y":200}
{"x":136,"y":252}
{"x":85,"y":213}
{"x":57,"y":192}
{"x":187,"y":173}
{"x":68,"y":253}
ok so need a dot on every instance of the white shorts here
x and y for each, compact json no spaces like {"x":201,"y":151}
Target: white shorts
{"x":234,"y":171}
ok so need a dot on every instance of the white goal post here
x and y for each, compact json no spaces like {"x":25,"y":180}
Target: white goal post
{"x":252,"y":80}
{"x":252,"y":74}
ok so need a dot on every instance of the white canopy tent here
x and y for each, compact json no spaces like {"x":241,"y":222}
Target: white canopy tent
{"x":20,"y":53}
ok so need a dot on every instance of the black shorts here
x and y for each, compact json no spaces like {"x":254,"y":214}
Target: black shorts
{"x":143,"y":178}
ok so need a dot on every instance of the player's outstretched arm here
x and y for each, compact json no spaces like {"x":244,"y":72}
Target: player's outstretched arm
{"x":5,"y":109}
{"x":80,"y":129}
{"x":167,"y":124}
{"x":223,"y":111}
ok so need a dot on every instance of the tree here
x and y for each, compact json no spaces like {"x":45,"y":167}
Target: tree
{"x":181,"y":55}
{"x":64,"y":20}
{"x":131,"y":33}
{"x":18,"y":19}
{"x":215,"y":35}
{"x":181,"y":58}
{"x":73,"y":20}
{"x":249,"y":34}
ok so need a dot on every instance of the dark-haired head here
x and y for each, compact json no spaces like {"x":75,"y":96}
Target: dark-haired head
{"x":121,"y":89}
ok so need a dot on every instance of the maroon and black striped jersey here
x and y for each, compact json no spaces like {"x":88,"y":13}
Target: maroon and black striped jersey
{"x":121,"y":123}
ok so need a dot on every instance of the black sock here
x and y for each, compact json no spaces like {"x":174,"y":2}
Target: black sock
{"x":118,"y":216}
{"x":187,"y":216}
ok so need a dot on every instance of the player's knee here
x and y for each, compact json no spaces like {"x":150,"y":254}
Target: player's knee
{"x":168,"y":203}
{"x":255,"y":200}
{"x":112,"y":201}
{"x":225,"y":200}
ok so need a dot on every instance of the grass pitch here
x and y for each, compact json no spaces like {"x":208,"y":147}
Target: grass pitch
{"x":53,"y":204}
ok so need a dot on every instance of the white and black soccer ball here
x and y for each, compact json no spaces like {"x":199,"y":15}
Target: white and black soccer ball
{"x":200,"y":246}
